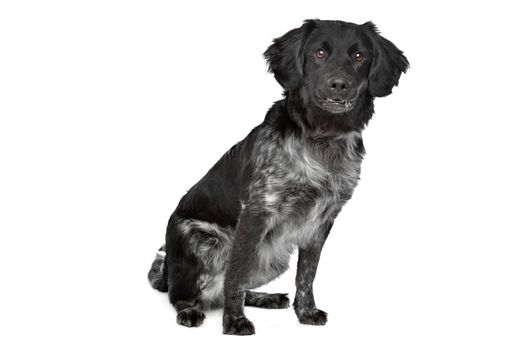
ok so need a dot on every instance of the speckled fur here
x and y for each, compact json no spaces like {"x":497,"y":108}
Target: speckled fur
{"x":281,"y":188}
{"x":299,"y":192}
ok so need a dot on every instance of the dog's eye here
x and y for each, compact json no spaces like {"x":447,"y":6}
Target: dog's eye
{"x":359,"y":57}
{"x":320,"y":54}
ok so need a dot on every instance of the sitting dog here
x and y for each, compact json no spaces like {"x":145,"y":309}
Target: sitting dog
{"x":282,"y":187}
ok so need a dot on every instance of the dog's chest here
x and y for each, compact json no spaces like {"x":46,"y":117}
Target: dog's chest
{"x":305,"y":184}
{"x":302,"y":189}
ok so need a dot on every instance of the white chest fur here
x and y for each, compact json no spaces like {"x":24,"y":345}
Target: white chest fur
{"x":302,"y":188}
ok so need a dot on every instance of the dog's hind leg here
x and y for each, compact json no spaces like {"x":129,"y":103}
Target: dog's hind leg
{"x":267,"y":300}
{"x":184,"y":269}
{"x":189,"y":309}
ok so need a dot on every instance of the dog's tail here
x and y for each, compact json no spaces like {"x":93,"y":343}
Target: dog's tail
{"x":158,"y":274}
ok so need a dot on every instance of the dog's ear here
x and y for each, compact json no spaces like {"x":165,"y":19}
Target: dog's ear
{"x":285,"y":56}
{"x":387,"y":65}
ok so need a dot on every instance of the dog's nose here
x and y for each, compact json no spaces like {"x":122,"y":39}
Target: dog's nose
{"x":338,"y":86}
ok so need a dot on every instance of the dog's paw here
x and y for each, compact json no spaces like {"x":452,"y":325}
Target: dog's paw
{"x":190,"y":318}
{"x":268,"y":300}
{"x":314,"y":317}
{"x":276,"y":301}
{"x":237,"y":325}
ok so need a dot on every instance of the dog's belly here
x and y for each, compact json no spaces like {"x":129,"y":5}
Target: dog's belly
{"x":280,"y":243}
{"x":297,"y":214}
{"x":274,"y":258}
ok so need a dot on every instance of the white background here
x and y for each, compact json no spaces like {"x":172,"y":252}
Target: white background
{"x":111,"y":110}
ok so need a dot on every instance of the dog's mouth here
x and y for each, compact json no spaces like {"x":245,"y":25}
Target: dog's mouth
{"x":336,"y":105}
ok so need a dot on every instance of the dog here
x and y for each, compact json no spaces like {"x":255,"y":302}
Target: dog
{"x":282,"y":187}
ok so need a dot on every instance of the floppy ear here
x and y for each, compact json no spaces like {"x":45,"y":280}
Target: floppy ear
{"x":285,"y":56}
{"x":387,"y":65}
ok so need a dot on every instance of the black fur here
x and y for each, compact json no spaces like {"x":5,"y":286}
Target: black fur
{"x":283,"y":185}
{"x":156,"y":275}
{"x":267,"y":300}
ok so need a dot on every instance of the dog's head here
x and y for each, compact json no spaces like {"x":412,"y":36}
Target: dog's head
{"x":332,"y":64}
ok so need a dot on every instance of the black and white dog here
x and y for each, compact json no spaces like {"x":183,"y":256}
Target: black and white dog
{"x":284,"y":184}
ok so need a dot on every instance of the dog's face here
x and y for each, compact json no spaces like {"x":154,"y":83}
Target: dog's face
{"x":336,"y":63}
{"x":332,"y":63}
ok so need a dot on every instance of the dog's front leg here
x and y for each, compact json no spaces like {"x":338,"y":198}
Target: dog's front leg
{"x":242,"y":261}
{"x":304,"y":303}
